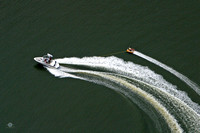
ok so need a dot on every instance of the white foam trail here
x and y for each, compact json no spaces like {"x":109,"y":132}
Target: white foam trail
{"x":130,"y":69}
{"x":61,"y":74}
{"x":185,"y":79}
{"x":177,"y":107}
{"x":187,"y":115}
{"x":167,"y":93}
{"x":170,"y":120}
{"x":172,"y":123}
{"x":118,"y":65}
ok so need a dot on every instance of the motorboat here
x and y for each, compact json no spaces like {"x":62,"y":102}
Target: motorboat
{"x":130,"y":50}
{"x":47,"y":60}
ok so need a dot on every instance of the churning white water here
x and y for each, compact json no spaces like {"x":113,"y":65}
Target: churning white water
{"x":174,"y":106}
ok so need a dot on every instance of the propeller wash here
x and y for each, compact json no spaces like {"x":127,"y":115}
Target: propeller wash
{"x":159,"y":99}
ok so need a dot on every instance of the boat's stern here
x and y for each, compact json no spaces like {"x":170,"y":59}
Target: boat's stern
{"x":57,"y":65}
{"x":54,"y":64}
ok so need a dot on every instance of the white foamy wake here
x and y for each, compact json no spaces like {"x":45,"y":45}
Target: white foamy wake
{"x":117,"y":65}
{"x":185,"y":79}
{"x":61,"y":74}
{"x":170,"y":120}
{"x":187,"y":115}
{"x":163,"y":96}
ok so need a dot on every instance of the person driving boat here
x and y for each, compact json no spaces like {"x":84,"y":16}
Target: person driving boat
{"x":47,"y":58}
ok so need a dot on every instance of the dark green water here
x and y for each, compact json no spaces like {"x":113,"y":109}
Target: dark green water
{"x":35,"y":101}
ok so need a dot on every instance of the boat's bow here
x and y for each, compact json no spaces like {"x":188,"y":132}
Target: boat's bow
{"x":38,"y":59}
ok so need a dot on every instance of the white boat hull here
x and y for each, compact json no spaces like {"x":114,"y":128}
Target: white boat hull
{"x":52,"y":63}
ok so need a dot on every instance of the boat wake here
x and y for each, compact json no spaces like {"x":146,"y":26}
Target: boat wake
{"x":161,"y":100}
{"x":185,"y":79}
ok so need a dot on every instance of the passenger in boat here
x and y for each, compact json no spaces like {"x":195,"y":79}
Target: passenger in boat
{"x":48,"y":60}
{"x":50,"y":56}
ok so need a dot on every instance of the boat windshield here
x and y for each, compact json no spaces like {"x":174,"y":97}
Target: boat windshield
{"x":46,"y":57}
